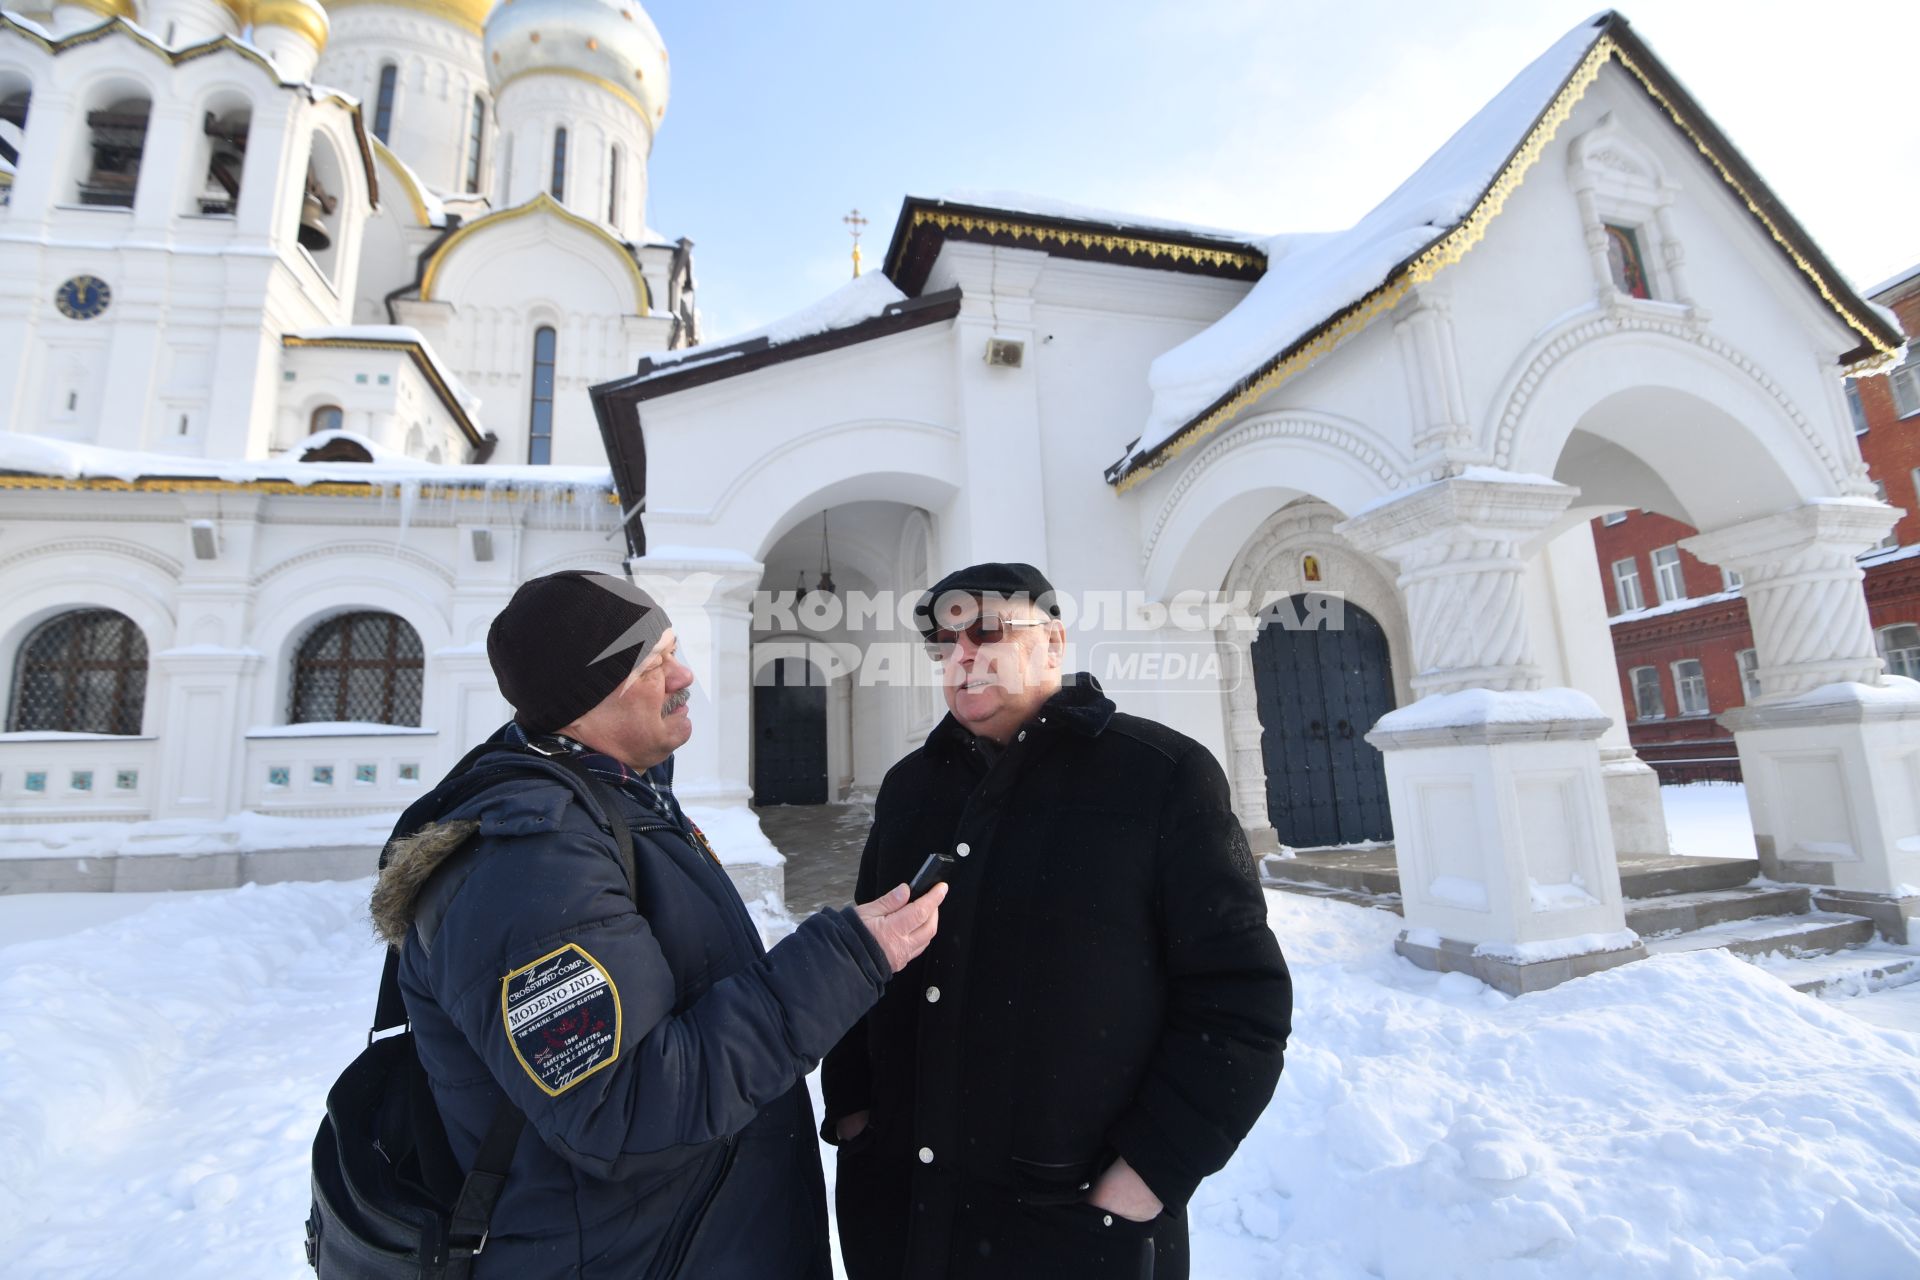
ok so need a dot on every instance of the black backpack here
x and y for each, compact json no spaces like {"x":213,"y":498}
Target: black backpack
{"x":390,"y":1202}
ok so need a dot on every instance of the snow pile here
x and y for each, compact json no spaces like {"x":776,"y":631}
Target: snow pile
{"x":735,"y":834}
{"x":1477,"y":708}
{"x":1319,"y":278}
{"x":862,"y":298}
{"x":194,"y":837}
{"x":1685,"y":1116}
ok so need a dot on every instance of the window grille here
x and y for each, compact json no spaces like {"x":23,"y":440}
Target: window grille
{"x":81,"y":672}
{"x":367,"y":667}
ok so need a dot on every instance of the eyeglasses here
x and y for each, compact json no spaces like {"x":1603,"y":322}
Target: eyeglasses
{"x":988,"y":628}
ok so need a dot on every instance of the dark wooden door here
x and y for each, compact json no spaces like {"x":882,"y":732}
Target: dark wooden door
{"x":1320,"y":687}
{"x":790,"y":734}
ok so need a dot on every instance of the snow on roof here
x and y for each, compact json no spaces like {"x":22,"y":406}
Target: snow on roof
{"x":435,"y":207}
{"x":1894,"y":281}
{"x":394,"y":333}
{"x":1047,"y":207}
{"x":860,"y":299}
{"x":1314,"y":278}
{"x":70,"y":460}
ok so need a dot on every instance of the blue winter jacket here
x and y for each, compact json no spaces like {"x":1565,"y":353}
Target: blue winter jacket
{"x":658,"y":1051}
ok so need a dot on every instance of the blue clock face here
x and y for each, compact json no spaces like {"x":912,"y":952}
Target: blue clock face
{"x":83,"y":297}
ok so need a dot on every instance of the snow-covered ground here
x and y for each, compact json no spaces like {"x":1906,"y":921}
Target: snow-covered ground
{"x":161,"y":1073}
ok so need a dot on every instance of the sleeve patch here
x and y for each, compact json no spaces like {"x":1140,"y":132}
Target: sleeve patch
{"x":562,"y":1017}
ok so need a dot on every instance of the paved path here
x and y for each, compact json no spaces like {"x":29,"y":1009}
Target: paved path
{"x":822,"y":843}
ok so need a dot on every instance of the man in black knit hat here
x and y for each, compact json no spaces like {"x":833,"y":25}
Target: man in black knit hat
{"x":657,"y":1051}
{"x":1103,"y":1015}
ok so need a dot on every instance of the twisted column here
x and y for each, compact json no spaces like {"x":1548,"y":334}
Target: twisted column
{"x":1461,"y":545}
{"x":1802,"y":583}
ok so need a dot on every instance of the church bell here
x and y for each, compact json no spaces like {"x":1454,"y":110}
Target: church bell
{"x":313,"y":235}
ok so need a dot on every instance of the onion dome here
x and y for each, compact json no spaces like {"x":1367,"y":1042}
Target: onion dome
{"x":105,"y":8}
{"x":305,"y":17}
{"x":468,"y":15}
{"x":609,"y":42}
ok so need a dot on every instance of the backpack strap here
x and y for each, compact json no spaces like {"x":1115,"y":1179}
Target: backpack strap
{"x":473,"y":1211}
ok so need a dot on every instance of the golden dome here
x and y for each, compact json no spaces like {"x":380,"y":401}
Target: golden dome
{"x":107,"y":8}
{"x":303,"y":16}
{"x":468,"y":15}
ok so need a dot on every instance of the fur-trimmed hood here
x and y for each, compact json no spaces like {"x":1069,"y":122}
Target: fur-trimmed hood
{"x":410,"y":861}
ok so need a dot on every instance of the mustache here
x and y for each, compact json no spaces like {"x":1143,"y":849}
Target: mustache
{"x":675,"y":701}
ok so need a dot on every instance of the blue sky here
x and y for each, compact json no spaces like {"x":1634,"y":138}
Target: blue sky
{"x":1262,"y":116}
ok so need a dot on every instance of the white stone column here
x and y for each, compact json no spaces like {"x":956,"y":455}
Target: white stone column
{"x":1831,"y":748}
{"x":1501,"y":834}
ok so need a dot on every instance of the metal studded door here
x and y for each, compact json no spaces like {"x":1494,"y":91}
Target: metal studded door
{"x":790,"y":735}
{"x":1322,"y":678}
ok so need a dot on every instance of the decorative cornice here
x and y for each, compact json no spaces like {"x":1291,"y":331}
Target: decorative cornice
{"x":1294,"y":426}
{"x":478,"y":490}
{"x":544,"y":204}
{"x":95,"y":546}
{"x":597,"y":81}
{"x":1469,"y":232}
{"x":384,"y":550}
{"x":418,"y":355}
{"x":1022,"y":229}
{"x":1597,"y":327}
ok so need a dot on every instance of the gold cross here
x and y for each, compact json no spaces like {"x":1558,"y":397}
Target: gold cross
{"x":855,"y":225}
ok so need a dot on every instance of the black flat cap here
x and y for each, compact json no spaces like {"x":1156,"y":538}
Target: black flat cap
{"x":1005,"y":580}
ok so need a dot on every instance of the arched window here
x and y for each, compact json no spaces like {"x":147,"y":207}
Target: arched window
{"x":365,"y":667}
{"x":559,"y":184}
{"x":540,"y":419}
{"x":613,"y":186}
{"x":119,"y":138}
{"x":81,"y":672}
{"x":13,"y":137}
{"x":476,"y":138}
{"x":383,"y":102}
{"x":326,"y":418}
{"x":226,"y":135}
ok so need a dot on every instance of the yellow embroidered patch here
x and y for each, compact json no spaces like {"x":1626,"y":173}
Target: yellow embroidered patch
{"x":562,"y":1017}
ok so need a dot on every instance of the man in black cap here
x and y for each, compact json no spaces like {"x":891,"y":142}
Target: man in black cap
{"x":1104,"y":1013}
{"x":629,"y":1012}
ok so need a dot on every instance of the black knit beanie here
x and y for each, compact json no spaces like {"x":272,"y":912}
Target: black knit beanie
{"x":567,"y":640}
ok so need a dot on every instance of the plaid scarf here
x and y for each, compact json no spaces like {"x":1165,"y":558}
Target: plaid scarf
{"x":652,"y":788}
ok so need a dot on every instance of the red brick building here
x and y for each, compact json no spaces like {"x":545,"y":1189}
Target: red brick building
{"x":1680,"y":631}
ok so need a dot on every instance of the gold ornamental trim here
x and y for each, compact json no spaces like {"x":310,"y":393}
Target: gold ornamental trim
{"x":417,"y":353}
{"x":109,"y":8}
{"x":542,"y":203}
{"x":944,"y":220}
{"x":408,"y":183}
{"x":373,"y":488}
{"x":1456,"y":244}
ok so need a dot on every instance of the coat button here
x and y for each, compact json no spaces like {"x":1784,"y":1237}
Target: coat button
{"x":1106,"y":1219}
{"x":926,"y":1155}
{"x":933,"y":995}
{"x":963,"y":848}
{"x":1021,"y":736}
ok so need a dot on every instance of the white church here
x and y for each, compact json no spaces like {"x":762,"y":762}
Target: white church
{"x":304,"y":306}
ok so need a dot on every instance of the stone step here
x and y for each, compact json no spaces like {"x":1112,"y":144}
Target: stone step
{"x":1368,"y":871}
{"x":1656,"y":877}
{"x":1842,"y":975}
{"x":1816,"y":931}
{"x":1679,"y":912}
{"x":1353,"y":897}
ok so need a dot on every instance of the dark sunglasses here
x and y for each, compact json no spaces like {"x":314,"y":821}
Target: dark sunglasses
{"x":988,"y":628}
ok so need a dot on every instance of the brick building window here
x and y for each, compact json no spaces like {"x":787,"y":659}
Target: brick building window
{"x":1648,"y":704}
{"x":1668,"y":582}
{"x":1892,"y":540}
{"x":1749,"y":660}
{"x":367,"y":667}
{"x":1730,"y":580}
{"x":1855,"y":409}
{"x":1690,"y":687}
{"x":1900,"y":646}
{"x":1905,"y":381}
{"x":1614,"y":517}
{"x":1626,"y":585}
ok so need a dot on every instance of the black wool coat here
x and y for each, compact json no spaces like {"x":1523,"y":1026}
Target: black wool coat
{"x":1104,"y":983}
